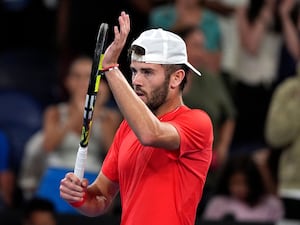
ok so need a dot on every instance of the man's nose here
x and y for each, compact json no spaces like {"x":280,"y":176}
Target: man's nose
{"x":137,"y":79}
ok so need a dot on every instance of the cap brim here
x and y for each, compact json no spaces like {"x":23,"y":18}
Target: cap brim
{"x":193,"y":68}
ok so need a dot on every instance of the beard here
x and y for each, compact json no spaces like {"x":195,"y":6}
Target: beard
{"x":157,"y":96}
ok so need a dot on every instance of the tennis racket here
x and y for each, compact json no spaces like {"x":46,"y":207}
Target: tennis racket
{"x":90,"y":100}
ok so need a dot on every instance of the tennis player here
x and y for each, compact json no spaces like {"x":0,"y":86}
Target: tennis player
{"x":162,"y":150}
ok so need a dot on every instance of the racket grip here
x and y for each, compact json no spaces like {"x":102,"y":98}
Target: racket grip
{"x":80,"y":162}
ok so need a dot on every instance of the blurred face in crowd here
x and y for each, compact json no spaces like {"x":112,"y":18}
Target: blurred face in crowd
{"x":77,"y":80}
{"x":195,"y":48}
{"x":238,"y":186}
{"x":41,"y":217}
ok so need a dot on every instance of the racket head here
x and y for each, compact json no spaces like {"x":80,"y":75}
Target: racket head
{"x":99,"y":49}
{"x":94,"y":84}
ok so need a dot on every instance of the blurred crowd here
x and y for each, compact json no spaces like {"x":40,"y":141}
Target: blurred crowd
{"x":248,"y":52}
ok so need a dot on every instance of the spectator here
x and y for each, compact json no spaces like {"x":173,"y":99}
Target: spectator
{"x":200,"y":93}
{"x":180,"y":14}
{"x":283,"y":134}
{"x":61,"y":132}
{"x":38,"y":211}
{"x":255,"y":76}
{"x":226,"y":11}
{"x":241,"y":195}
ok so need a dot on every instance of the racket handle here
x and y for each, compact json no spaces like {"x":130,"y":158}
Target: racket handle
{"x":80,"y":162}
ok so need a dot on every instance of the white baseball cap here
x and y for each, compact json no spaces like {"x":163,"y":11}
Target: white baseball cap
{"x":161,"y":47}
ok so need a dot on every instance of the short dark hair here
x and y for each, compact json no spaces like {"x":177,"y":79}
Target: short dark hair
{"x":171,"y":68}
{"x":242,"y":163}
{"x":38,"y":204}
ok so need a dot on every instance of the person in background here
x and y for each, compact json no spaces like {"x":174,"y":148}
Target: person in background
{"x":60,"y":135}
{"x":282,"y":127}
{"x":186,"y":13}
{"x":38,"y":211}
{"x":283,"y":134}
{"x":162,"y":150}
{"x":230,"y":41}
{"x":200,"y":92}
{"x":262,"y":32}
{"x":241,"y":195}
{"x":210,"y":94}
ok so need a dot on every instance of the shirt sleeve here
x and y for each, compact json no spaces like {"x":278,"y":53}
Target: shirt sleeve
{"x":195,"y":130}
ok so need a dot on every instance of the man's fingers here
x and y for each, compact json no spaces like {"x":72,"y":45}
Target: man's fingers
{"x":73,"y":178}
{"x":71,"y":191}
{"x":70,"y":198}
{"x":71,"y":188}
{"x":113,"y":52}
{"x":124,"y":22}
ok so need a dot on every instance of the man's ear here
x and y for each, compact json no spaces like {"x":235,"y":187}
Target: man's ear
{"x":176,"y":78}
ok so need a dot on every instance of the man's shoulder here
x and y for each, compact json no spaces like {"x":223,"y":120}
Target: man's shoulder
{"x":194,"y":118}
{"x":195,"y":113}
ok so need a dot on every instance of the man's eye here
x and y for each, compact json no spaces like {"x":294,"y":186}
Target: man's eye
{"x":147,"y":72}
{"x":133,"y":71}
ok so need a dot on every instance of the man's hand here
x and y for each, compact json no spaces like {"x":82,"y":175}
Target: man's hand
{"x":72,"y":189}
{"x":113,"y":51}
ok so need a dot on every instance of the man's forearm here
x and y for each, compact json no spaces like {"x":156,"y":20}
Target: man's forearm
{"x":139,"y":117}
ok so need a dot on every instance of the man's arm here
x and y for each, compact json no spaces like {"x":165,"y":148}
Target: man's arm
{"x":98,"y":196}
{"x":147,"y":127}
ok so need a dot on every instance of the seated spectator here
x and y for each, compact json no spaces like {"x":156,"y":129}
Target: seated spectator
{"x":39,"y":211}
{"x":60,"y":136}
{"x":241,"y":195}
